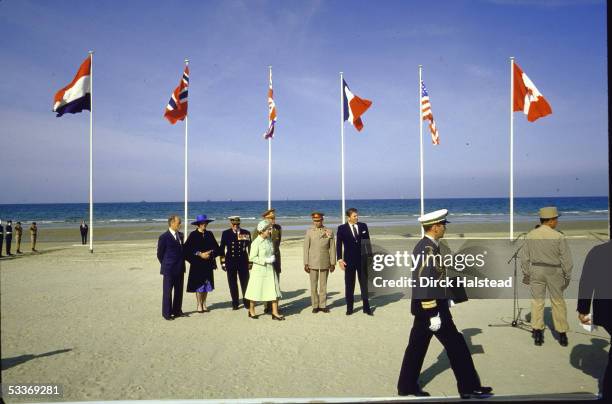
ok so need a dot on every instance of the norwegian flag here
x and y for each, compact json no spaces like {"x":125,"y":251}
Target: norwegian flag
{"x":176,"y":110}
{"x":271,"y":112}
{"x":428,"y":115}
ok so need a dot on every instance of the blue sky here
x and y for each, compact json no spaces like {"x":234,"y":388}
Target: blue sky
{"x":139,"y":46}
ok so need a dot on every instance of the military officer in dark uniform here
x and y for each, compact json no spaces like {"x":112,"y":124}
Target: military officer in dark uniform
{"x":18,"y":234}
{"x":9,"y":237}
{"x":432,"y":317}
{"x":234,"y":255}
{"x":1,"y":236}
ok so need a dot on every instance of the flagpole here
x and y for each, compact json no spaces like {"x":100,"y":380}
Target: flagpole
{"x":91,"y":224}
{"x":270,"y":159}
{"x":342,"y":146}
{"x":421,"y":144}
{"x":511,"y":235}
{"x":186,"y":165}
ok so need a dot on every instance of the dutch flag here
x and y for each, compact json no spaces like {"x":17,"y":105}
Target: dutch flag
{"x":76,"y":96}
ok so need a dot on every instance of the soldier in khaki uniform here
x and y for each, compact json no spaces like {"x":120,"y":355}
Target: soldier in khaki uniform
{"x":319,"y":260}
{"x":18,"y":234}
{"x":546,"y":262}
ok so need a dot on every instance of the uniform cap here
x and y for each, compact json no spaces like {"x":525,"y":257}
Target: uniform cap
{"x":269,"y":212}
{"x":234,"y":219}
{"x":549,"y":212}
{"x":438,"y":216}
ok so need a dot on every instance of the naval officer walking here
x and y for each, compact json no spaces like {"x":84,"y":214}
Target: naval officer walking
{"x":432,"y":317}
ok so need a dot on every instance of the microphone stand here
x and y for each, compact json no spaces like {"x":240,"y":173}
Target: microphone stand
{"x":517,"y":322}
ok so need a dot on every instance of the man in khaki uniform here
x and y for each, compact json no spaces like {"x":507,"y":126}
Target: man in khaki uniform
{"x":319,"y":260}
{"x":18,"y":234}
{"x":547,"y":264}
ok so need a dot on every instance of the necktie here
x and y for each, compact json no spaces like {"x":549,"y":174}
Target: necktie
{"x":354,"y":231}
{"x":177,"y":237}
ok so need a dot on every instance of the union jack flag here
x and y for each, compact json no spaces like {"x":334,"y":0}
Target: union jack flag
{"x":176,"y":110}
{"x":428,"y":115}
{"x":271,"y":112}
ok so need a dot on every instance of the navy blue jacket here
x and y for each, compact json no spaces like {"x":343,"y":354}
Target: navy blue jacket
{"x":235,"y":250}
{"x":428,"y":301}
{"x":170,"y":254}
{"x":596,"y":284}
{"x":352,"y":251}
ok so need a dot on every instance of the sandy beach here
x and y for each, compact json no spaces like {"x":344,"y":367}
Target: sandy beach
{"x":92,"y":323}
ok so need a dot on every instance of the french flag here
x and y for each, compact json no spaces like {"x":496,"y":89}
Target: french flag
{"x":76,"y":96}
{"x":354,"y":106}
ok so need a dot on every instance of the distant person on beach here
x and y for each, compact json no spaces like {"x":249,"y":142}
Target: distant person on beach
{"x":352,"y":249}
{"x":596,"y":284}
{"x":18,"y":234}
{"x":8,"y":237}
{"x":432,"y":317}
{"x":276,"y":237}
{"x":33,"y":235}
{"x":201,"y":251}
{"x":319,"y":260}
{"x":234,"y":252}
{"x":547,"y":263}
{"x":172,"y":260}
{"x":1,"y":237}
{"x":263,"y":281}
{"x":84,"y":230}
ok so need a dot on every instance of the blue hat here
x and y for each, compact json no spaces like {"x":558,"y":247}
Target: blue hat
{"x":202,"y":219}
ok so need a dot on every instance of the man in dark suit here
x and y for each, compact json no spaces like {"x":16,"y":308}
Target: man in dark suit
{"x":234,"y":252}
{"x":352,"y":250}
{"x":9,"y":237}
{"x":596,"y":284}
{"x":432,"y":316}
{"x":172,"y":260}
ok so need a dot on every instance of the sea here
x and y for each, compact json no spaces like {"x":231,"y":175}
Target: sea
{"x":464,"y":210}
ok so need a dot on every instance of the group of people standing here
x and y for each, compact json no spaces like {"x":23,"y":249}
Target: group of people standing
{"x":254,"y":261}
{"x":6,"y":236}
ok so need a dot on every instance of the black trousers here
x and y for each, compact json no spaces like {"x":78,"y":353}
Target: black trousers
{"x":84,"y":238}
{"x":606,"y":388}
{"x":456,"y":349}
{"x":169,"y":305}
{"x":9,"y":240}
{"x":1,"y":241}
{"x":350,"y":273}
{"x":237,"y":271}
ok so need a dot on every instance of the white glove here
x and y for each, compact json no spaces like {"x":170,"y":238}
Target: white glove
{"x":435,"y":323}
{"x":270,"y":260}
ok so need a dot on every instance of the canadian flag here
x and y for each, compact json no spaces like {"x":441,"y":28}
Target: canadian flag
{"x":527,"y":98}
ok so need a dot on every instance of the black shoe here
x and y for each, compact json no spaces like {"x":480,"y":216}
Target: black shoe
{"x":277,"y":318}
{"x":418,"y":393}
{"x":368,"y":312}
{"x":254,"y":317}
{"x":168,"y":318}
{"x":563,"y":339}
{"x":180,"y":314}
{"x":482,"y":392}
{"x":538,"y":337}
{"x":236,"y":308}
{"x":315,"y":310}
{"x":349,"y":312}
{"x":324,"y":310}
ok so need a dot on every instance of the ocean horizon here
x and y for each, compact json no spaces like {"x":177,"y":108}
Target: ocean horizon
{"x":464,"y":210}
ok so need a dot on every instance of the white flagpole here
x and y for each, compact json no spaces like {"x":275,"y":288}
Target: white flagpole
{"x":421,"y":144}
{"x":270,"y":159}
{"x":511,"y":235}
{"x":186,"y":220}
{"x":342,"y":145}
{"x":91,"y":224}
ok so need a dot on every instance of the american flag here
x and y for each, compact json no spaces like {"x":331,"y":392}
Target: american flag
{"x":176,"y":110}
{"x":271,"y":111}
{"x":428,"y":115}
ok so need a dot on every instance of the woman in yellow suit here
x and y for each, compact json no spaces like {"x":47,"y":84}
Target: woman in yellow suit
{"x":263,"y":282}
